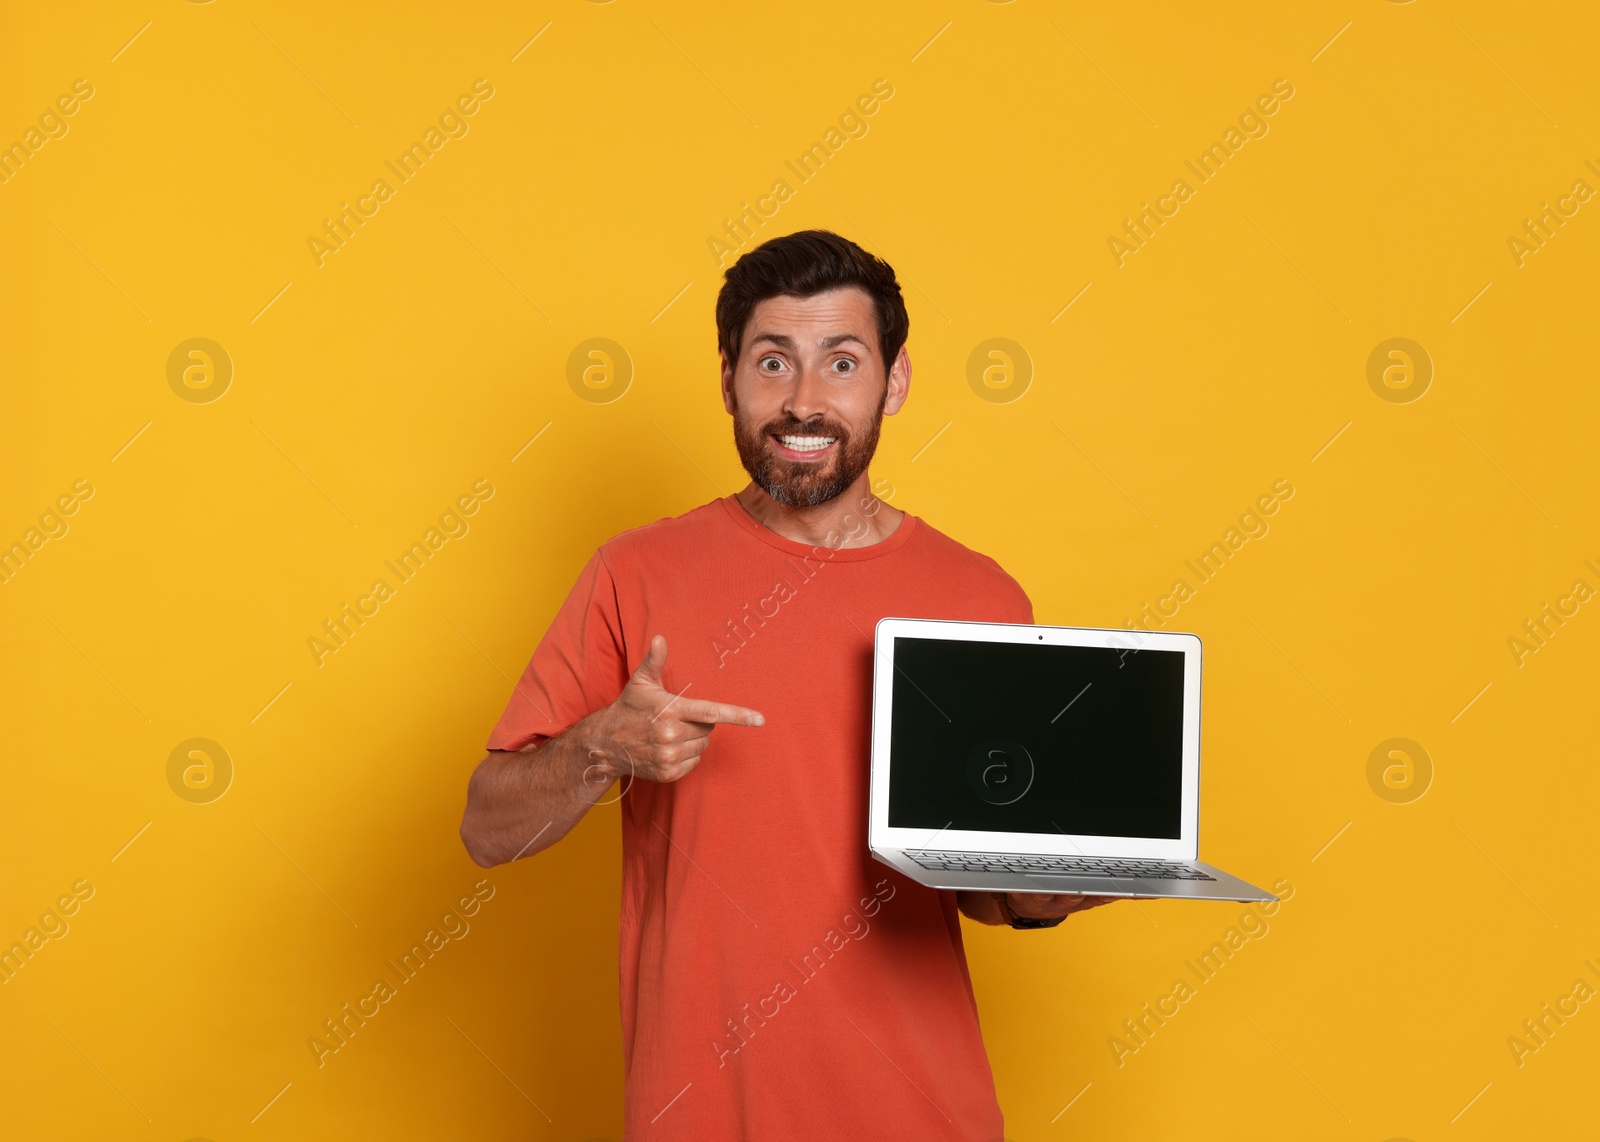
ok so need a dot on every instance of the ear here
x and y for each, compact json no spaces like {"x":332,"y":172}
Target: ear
{"x":728,"y":401}
{"x":899,"y":383}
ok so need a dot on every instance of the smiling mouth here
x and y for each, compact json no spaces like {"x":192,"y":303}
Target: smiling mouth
{"x":804,"y":447}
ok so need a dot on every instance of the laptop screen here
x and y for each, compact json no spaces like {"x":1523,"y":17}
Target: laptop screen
{"x":1025,"y":738}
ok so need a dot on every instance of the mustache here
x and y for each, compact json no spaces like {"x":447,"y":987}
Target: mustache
{"x":789,"y":426}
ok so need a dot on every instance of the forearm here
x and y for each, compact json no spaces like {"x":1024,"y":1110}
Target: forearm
{"x":1003,"y":907}
{"x":523,"y":802}
{"x":984,"y":907}
{"x":519,"y":803}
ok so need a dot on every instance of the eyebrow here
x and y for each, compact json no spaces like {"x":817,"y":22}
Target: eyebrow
{"x":784,"y":341}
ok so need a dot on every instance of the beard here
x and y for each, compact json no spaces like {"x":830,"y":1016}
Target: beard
{"x":798,"y":483}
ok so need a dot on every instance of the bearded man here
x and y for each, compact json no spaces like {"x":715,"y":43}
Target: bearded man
{"x":776,"y":982}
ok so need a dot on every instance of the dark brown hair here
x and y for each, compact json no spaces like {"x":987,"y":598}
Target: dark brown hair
{"x":804,"y":264}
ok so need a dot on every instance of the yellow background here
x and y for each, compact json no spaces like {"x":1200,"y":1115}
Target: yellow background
{"x":372,"y":391}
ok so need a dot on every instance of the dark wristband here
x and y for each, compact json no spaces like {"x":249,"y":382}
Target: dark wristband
{"x":1024,"y":923}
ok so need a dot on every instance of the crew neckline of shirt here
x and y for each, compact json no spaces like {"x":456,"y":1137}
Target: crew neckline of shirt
{"x":783,"y":543}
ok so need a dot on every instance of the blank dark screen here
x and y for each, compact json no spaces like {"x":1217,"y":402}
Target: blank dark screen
{"x":1031,"y":738}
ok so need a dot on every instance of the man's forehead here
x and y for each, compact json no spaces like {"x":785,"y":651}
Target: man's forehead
{"x":841,"y":313}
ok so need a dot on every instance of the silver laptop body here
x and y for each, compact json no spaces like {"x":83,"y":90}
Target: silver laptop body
{"x":1014,"y":758}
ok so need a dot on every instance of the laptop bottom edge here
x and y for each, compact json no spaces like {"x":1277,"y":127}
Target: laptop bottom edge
{"x":1222,"y":886}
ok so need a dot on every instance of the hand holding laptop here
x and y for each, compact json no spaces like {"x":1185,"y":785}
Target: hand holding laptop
{"x":1000,"y":907}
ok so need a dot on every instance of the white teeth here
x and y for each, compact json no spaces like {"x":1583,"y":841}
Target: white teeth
{"x":806,"y":443}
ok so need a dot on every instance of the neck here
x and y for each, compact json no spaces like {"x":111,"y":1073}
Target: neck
{"x":854,"y":518}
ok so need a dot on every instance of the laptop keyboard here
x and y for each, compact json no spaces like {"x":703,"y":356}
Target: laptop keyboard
{"x":1109,"y":867}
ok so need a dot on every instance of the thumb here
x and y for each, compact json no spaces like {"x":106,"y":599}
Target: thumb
{"x":655,"y":660}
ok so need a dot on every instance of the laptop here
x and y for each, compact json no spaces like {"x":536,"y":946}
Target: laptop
{"x":1014,"y":758}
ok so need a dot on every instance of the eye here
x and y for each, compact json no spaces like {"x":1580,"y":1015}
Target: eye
{"x":844,"y":365}
{"x":770,"y":364}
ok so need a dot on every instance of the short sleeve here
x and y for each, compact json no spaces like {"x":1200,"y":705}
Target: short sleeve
{"x":1012,"y":602}
{"x":579,"y":665}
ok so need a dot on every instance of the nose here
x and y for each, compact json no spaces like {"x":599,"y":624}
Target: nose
{"x":808,"y":397}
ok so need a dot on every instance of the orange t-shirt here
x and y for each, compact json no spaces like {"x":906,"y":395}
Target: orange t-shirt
{"x":776,"y":981}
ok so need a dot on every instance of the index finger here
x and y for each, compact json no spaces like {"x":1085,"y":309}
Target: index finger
{"x":711,"y":713}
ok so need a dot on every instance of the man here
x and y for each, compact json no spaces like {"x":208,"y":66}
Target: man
{"x":777,"y":982}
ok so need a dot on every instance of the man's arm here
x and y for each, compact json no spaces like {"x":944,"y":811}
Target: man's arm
{"x":990,"y":907}
{"x":522,"y":802}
